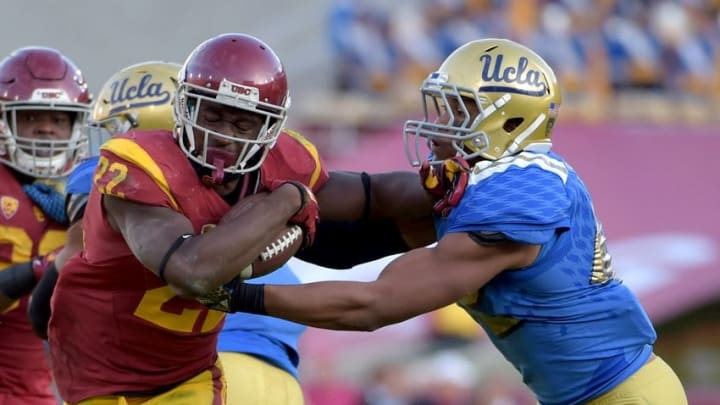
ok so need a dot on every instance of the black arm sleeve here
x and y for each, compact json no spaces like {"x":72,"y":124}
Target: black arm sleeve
{"x":39,"y":309}
{"x":342,"y":245}
{"x":17,"y":280}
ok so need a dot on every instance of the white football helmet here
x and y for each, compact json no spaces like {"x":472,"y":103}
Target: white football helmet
{"x":37,"y":78}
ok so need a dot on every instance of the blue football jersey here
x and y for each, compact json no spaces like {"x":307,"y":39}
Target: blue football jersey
{"x":567,"y":323}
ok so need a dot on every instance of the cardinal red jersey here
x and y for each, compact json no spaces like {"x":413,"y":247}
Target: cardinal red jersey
{"x":25,"y":232}
{"x":116,"y":327}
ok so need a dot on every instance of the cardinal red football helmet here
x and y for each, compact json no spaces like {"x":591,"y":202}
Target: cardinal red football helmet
{"x":234,"y":70}
{"x":38,"y":78}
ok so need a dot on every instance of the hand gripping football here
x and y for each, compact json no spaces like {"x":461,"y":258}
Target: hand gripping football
{"x":277,"y":253}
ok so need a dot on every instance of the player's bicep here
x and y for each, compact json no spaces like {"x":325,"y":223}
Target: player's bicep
{"x":342,"y":197}
{"x":148,"y":230}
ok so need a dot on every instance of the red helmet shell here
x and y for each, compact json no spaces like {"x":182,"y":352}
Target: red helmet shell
{"x":31,"y":68}
{"x":240,"y":59}
{"x":241,"y":72}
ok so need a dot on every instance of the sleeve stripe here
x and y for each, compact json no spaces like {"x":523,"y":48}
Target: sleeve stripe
{"x":134,"y":153}
{"x":313,"y":152}
{"x":318,"y":166}
{"x":485,"y":169}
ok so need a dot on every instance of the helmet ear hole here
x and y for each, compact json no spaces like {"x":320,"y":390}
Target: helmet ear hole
{"x":512,"y":123}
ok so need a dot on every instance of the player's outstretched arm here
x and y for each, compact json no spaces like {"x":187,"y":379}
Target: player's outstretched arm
{"x":396,"y":195}
{"x":417,"y":282}
{"x":357,"y":208}
{"x":163,"y":240}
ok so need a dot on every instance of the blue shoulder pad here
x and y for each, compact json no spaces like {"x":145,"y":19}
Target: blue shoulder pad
{"x":81,"y":178}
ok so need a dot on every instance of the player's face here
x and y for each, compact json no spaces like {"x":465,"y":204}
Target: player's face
{"x":229,"y":121}
{"x":454,"y":113}
{"x":40,"y":125}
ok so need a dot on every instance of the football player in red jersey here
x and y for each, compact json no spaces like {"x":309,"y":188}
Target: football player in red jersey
{"x":127,"y":325}
{"x":259,"y":354}
{"x":44,"y":101}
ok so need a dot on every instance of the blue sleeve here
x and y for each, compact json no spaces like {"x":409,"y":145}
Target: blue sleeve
{"x":81,"y":178}
{"x":528,"y":205}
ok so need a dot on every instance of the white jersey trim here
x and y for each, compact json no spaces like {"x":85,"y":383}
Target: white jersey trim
{"x":486,"y":168}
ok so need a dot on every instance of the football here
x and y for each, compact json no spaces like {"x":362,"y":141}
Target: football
{"x":277,"y":253}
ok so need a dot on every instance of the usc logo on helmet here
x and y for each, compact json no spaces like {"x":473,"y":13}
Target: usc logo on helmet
{"x":246,"y":91}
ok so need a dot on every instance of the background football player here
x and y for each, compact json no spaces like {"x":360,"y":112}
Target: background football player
{"x":44,"y":101}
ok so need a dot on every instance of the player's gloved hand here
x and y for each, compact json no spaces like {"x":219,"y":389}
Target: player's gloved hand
{"x":236,"y":296}
{"x":445,"y":182}
{"x":308,"y":215}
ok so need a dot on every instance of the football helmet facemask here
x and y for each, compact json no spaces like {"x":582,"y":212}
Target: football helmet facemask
{"x":38,"y":78}
{"x":233,"y":70}
{"x":137,"y":97}
{"x":514,"y":91}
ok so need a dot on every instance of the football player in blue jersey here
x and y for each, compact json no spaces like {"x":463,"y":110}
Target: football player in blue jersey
{"x":520,"y":246}
{"x":260,"y":354}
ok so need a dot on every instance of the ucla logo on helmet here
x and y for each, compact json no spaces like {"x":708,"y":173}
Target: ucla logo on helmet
{"x":146,"y":92}
{"x":498,"y":76}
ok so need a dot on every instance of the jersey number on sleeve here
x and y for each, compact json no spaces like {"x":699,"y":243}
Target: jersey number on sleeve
{"x":116,"y":173}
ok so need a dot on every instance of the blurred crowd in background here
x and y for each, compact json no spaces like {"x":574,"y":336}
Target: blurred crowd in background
{"x":606,"y":53}
{"x":648,"y":61}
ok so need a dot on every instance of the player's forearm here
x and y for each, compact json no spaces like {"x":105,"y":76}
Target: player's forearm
{"x":207,"y":261}
{"x":39,"y":309}
{"x":16,"y":281}
{"x":339,"y":305}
